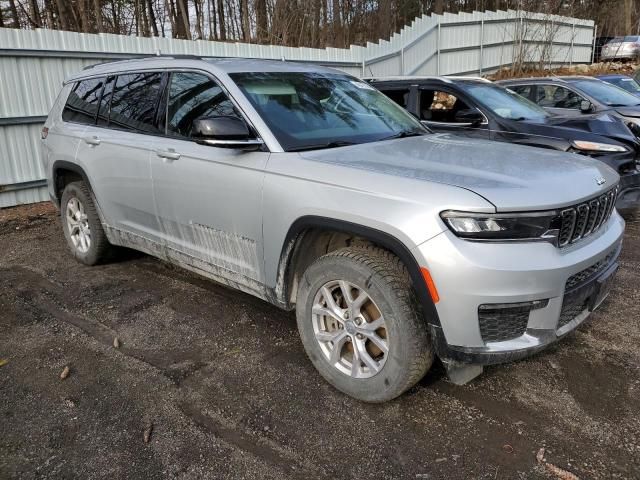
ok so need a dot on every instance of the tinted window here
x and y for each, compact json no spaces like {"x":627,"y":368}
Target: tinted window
{"x":401,"y":97}
{"x":134,"y":100}
{"x":524,"y":90}
{"x":193,"y":96}
{"x":439,"y":106}
{"x":105,"y":103}
{"x":82,"y":104}
{"x":554,"y":96}
{"x":311,"y":110}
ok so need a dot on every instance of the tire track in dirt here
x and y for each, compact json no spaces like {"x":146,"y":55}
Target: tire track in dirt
{"x":50,"y":298}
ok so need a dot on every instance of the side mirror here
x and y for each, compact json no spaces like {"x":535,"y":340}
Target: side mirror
{"x":586,"y":106}
{"x":470,"y":116}
{"x":224,"y":132}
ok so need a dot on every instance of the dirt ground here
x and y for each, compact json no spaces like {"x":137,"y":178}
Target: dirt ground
{"x":219,"y":384}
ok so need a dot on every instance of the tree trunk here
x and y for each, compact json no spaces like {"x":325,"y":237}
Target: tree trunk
{"x":97,"y":10}
{"x":35,"y":13}
{"x":14,"y":14}
{"x":244,"y":15}
{"x":152,"y":17}
{"x":222,"y":20}
{"x":262,"y":22}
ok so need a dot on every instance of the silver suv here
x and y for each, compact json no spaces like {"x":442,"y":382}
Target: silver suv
{"x":308,"y":188}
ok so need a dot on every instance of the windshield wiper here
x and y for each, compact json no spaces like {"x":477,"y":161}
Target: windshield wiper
{"x":320,"y":146}
{"x":404,"y":134}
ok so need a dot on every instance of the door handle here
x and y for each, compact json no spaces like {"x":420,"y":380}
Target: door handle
{"x":169,"y":154}
{"x":92,"y":140}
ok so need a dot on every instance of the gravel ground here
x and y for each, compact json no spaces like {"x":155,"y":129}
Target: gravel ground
{"x":218,"y":383}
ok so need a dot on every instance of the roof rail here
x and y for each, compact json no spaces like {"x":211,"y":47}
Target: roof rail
{"x":146,"y":56}
{"x":396,"y":78}
{"x":467,"y":77}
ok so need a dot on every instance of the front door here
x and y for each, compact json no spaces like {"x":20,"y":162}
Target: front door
{"x":559,"y":100}
{"x":209,"y":199}
{"x":438,"y":109}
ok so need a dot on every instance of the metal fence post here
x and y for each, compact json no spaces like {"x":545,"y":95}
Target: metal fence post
{"x":573,"y":36}
{"x":438,"y":50}
{"x":481,"y":44}
{"x":593,"y":47}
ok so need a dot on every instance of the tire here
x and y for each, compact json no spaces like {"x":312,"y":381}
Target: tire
{"x":384,"y":279}
{"x":80,"y":220}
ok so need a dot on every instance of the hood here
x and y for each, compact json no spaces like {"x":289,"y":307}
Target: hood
{"x":512,"y":177}
{"x":629,"y":111}
{"x":600,"y":124}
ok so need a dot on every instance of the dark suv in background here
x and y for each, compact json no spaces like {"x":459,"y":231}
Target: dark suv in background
{"x":478,"y":108}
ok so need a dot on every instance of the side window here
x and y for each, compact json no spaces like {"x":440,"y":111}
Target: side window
{"x":555,"y":96}
{"x":134,"y":101}
{"x":193,"y":96}
{"x":105,"y":103}
{"x":439,"y":106}
{"x":400,"y":96}
{"x":82,"y":104}
{"x":522,"y":90}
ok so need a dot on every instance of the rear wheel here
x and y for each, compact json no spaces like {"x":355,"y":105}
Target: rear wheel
{"x":81,"y":225}
{"x":361,"y":325}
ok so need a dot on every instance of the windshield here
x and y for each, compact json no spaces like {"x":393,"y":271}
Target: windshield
{"x":505,"y":103}
{"x":308,"y":110}
{"x":629,"y":84}
{"x":606,"y":93}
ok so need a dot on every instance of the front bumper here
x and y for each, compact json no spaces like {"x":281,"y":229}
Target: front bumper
{"x":470,"y":274}
{"x":629,"y":195}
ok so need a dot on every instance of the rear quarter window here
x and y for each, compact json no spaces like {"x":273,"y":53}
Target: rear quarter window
{"x":82,"y":102}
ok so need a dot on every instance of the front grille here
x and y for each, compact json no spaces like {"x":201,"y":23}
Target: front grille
{"x":500,"y":322}
{"x":569,"y":312}
{"x":587,"y":273}
{"x":586,"y":218}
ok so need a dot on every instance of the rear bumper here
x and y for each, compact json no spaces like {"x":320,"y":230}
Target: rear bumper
{"x":470,"y":274}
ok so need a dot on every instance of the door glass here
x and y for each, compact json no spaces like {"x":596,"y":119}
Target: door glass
{"x":439,"y":106}
{"x":193,"y":96}
{"x":82,"y":104}
{"x":524,"y":90}
{"x":105,"y":102}
{"x":400,"y":96}
{"x":554,"y":96}
{"x":134,"y":101}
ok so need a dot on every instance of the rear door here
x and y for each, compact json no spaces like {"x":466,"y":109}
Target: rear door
{"x":117,"y":149}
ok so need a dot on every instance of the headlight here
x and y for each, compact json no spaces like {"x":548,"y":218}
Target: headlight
{"x":532,"y":226}
{"x":598,"y":147}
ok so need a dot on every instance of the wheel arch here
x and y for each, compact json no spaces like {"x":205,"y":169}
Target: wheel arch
{"x":59,"y":171}
{"x":290,"y":258}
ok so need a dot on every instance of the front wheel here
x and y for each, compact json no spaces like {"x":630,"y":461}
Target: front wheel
{"x":361,"y":324}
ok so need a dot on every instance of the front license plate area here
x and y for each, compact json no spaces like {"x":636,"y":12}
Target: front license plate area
{"x":603,"y":287}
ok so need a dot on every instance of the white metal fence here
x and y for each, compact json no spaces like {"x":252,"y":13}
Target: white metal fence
{"x":33,"y":64}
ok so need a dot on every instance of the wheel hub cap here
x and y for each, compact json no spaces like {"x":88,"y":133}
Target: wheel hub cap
{"x":78,"y":225}
{"x":350,"y":329}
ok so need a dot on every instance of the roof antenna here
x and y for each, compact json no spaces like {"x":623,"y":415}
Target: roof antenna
{"x":158,"y":53}
{"x":282,"y":59}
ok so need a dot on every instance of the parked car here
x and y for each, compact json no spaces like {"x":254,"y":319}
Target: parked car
{"x":308,"y":188}
{"x":621,"y":48}
{"x":622,"y":81}
{"x":577,"y":96}
{"x":475,"y":107}
{"x":598,"y":44}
